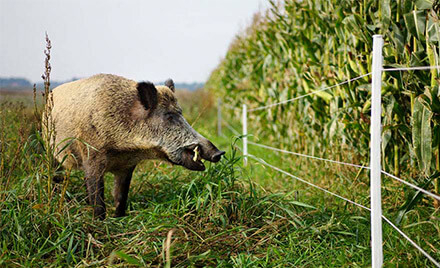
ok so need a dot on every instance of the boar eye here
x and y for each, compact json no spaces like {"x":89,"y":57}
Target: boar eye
{"x":170,"y":116}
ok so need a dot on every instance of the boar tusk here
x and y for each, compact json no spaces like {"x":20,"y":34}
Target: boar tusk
{"x":196,"y":153}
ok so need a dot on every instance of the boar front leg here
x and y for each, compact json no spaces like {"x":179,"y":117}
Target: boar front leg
{"x":120,"y":190}
{"x":94,"y":169}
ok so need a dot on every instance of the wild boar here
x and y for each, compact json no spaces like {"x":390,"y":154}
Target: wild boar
{"x":114,"y":124}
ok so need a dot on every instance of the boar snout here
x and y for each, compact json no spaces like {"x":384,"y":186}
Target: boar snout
{"x":210,"y":152}
{"x":217,"y":156}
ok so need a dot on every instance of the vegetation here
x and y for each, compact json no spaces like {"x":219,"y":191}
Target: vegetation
{"x":234,"y":216}
{"x":223,"y":217}
{"x":177,"y":217}
{"x":301,"y":46}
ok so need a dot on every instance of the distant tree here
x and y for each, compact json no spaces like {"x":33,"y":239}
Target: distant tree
{"x":17,"y":82}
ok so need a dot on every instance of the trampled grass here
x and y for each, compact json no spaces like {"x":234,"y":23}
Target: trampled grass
{"x":227,"y":216}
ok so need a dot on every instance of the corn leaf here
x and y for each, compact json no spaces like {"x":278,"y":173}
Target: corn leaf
{"x":422,"y":136}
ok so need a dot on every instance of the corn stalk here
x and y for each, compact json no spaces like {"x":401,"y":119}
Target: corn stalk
{"x":301,"y":46}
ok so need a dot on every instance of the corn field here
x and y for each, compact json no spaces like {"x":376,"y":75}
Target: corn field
{"x":301,"y":46}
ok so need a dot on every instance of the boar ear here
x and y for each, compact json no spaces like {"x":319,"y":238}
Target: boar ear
{"x":147,"y":94}
{"x":169,"y":83}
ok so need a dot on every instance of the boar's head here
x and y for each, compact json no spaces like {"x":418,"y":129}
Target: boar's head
{"x":160,"y":123}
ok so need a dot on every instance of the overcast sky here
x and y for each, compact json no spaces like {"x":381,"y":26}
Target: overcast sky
{"x":141,"y":40}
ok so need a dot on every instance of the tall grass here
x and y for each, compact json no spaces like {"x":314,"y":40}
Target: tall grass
{"x":218,"y":218}
{"x":222,"y":217}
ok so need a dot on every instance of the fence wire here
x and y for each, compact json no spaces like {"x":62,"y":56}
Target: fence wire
{"x":411,"y":68}
{"x":411,"y":185}
{"x":305,"y":95}
{"x":411,"y":241}
{"x":338,"y":162}
{"x":345,"y":82}
{"x":306,"y":182}
{"x":308,"y":156}
{"x":346,"y":164}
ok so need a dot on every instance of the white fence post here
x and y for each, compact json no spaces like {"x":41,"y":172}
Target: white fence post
{"x":219,"y":117}
{"x":375,"y":147}
{"x":244,"y":123}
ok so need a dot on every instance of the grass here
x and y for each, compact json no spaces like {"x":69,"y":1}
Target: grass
{"x":227,"y":216}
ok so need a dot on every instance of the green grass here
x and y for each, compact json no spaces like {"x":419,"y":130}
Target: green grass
{"x":227,"y":216}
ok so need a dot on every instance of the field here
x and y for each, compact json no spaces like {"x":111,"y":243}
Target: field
{"x":227,"y":216}
{"x":235,"y":215}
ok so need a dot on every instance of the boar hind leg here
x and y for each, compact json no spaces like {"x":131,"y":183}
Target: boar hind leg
{"x":94,"y":170}
{"x":120,"y":190}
